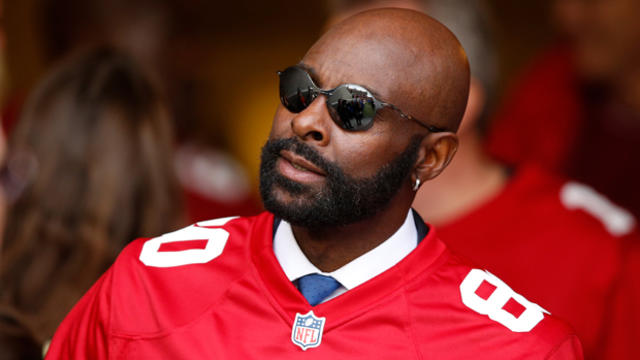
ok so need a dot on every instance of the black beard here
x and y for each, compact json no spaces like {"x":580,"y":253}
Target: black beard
{"x":343,"y":199}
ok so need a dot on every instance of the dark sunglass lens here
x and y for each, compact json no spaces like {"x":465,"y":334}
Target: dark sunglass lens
{"x":297,"y":90}
{"x":352,"y":107}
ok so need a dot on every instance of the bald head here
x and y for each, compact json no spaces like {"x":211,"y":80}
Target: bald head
{"x":405,"y":57}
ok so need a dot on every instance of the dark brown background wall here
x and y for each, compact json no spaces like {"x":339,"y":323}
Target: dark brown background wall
{"x":222,"y":56}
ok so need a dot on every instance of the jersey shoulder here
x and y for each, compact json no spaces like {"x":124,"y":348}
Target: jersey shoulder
{"x":572,"y":205}
{"x":551,"y":212}
{"x":474,"y":305}
{"x":168,"y":281}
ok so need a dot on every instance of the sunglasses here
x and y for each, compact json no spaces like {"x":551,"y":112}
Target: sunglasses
{"x":351,"y":106}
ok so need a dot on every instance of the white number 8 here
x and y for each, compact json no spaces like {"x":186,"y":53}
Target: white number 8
{"x":493,"y":305}
{"x":216,"y":240}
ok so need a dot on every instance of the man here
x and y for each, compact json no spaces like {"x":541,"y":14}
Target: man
{"x":576,"y":109}
{"x":345,"y":269}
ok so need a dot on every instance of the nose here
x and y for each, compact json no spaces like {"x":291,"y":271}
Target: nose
{"x":313,"y":123}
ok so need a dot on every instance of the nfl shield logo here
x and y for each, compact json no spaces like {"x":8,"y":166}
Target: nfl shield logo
{"x":307,"y":330}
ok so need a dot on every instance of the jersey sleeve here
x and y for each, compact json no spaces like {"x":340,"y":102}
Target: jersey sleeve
{"x":570,"y":349}
{"x":84,"y":333}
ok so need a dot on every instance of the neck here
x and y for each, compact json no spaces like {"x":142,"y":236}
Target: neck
{"x":331,"y":248}
{"x":471,"y":179}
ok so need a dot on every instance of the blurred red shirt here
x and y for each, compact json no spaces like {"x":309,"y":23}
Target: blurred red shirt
{"x":564,"y":247}
{"x":552,"y":119}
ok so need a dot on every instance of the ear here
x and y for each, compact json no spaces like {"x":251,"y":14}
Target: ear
{"x":436,"y":152}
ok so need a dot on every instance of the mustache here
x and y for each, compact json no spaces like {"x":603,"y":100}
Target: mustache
{"x":342,"y":199}
{"x":293,"y":144}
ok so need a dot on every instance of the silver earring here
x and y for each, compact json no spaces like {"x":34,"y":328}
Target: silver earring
{"x":416,"y":185}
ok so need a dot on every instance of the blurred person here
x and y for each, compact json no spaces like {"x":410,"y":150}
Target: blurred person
{"x":576,"y":108}
{"x":92,"y":152}
{"x":339,"y":267}
{"x":214,"y":183}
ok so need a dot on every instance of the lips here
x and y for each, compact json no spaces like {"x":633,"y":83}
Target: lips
{"x":300,"y":163}
{"x":299,"y":169}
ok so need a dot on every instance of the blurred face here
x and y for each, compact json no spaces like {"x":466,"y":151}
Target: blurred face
{"x":605,"y":35}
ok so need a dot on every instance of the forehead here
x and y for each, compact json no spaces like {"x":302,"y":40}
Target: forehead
{"x":376,"y":65}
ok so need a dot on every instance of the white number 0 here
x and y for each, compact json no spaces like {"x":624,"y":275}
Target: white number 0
{"x":493,"y":305}
{"x":216,"y":240}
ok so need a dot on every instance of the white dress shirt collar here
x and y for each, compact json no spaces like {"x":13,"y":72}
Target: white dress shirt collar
{"x":369,"y":265}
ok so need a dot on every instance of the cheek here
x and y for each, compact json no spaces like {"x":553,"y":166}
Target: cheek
{"x":362,"y":155}
{"x":281,"y":124}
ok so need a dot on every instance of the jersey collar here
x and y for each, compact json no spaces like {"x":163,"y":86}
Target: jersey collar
{"x":288,"y":301}
{"x":367,"y":266}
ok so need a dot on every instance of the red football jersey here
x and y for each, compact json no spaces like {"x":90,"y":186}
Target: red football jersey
{"x":215,"y":290}
{"x":564,"y":246}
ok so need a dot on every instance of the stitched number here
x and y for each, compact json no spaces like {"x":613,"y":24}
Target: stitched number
{"x":486,"y":294}
{"x":615,"y":219}
{"x":191,"y":245}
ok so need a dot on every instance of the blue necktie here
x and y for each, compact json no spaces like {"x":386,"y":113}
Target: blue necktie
{"x":316,"y":287}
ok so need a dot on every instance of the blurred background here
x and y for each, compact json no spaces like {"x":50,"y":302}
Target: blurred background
{"x":565,"y":97}
{"x":216,"y":59}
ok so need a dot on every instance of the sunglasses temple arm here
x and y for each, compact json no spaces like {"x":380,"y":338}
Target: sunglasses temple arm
{"x":431,"y":128}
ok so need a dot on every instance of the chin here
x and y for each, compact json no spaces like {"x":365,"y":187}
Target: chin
{"x":286,"y":198}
